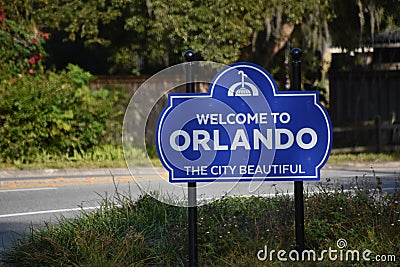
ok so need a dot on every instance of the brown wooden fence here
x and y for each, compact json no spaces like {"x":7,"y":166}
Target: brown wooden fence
{"x":128,"y":83}
{"x":373,"y":137}
{"x":357,"y":96}
{"x":364,"y":107}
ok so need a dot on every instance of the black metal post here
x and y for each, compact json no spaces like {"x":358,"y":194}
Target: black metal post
{"x":192,"y":209}
{"x":298,"y":185}
{"x":192,"y":194}
{"x":378,"y":125}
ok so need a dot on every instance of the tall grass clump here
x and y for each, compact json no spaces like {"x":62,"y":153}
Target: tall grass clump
{"x":365,"y":216}
{"x":120,"y":233}
{"x":146,"y":232}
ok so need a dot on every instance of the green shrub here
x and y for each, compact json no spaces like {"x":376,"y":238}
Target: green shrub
{"x":53,"y":113}
{"x":113,"y":130}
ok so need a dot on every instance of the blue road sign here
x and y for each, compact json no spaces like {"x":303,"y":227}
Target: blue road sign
{"x":244,"y":129}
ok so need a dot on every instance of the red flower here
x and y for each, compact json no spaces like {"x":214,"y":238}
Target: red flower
{"x":38,"y":57}
{"x":31,"y":71}
{"x":32,"y":60}
{"x":34,"y":41}
{"x":44,"y":34}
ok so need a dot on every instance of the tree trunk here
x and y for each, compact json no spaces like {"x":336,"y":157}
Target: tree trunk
{"x":262,"y":51}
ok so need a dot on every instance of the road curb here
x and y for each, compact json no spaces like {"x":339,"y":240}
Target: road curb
{"x":15,"y":179}
{"x":50,"y":173}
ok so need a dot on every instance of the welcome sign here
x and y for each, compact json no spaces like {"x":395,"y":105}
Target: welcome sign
{"x":244,"y":129}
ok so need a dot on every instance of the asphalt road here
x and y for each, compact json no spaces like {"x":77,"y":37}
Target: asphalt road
{"x":31,"y":198}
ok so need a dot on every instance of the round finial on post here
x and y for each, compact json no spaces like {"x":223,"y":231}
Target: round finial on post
{"x":189,"y":55}
{"x":296,"y":54}
{"x":296,"y":69}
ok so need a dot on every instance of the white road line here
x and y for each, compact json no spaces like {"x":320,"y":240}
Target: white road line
{"x":28,"y":189}
{"x":46,"y":211}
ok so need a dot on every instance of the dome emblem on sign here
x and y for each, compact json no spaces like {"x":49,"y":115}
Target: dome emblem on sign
{"x":243,"y":88}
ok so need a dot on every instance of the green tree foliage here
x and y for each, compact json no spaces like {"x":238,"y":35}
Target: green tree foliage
{"x":357,"y":22}
{"x":80,"y":19}
{"x":145,"y":35}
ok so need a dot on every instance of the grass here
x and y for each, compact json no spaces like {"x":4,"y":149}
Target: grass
{"x":146,"y":232}
{"x":112,"y":156}
{"x":363,"y":157}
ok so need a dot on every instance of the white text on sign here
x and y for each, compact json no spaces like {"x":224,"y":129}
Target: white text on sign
{"x":276,"y":169}
{"x":270,"y":139}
